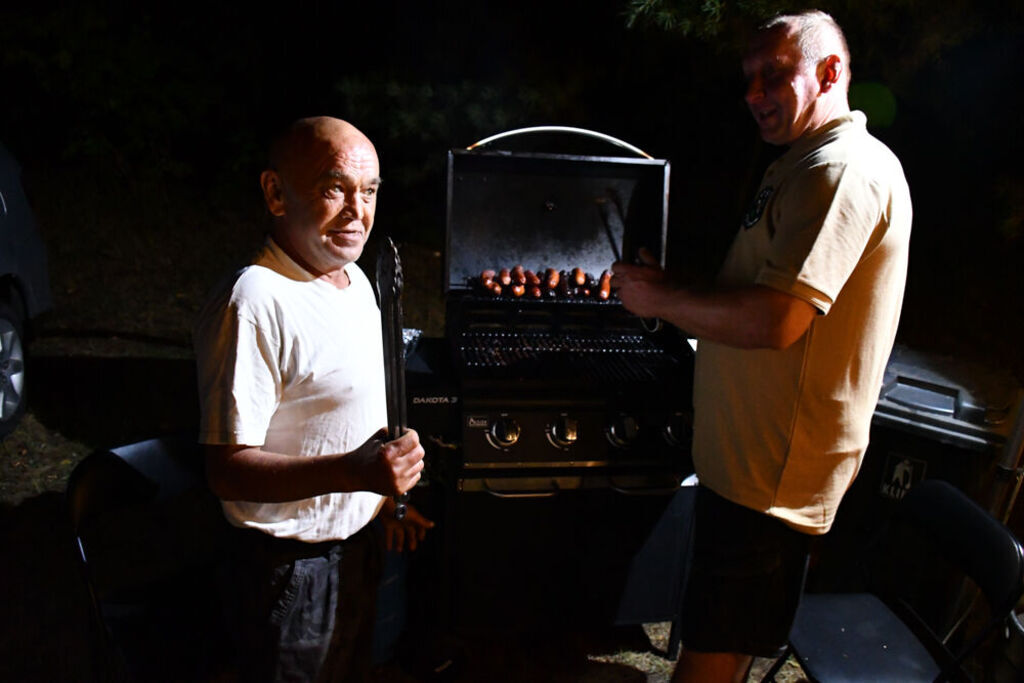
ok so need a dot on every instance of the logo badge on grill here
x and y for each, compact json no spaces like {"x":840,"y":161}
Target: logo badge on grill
{"x":434,"y":400}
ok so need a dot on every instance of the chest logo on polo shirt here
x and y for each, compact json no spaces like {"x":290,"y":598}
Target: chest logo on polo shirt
{"x":756,"y":209}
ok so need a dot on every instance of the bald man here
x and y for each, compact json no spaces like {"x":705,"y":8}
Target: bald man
{"x":291,"y":380}
{"x":793,"y":343}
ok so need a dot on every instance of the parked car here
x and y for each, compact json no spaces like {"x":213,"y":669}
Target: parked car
{"x":24,"y":288}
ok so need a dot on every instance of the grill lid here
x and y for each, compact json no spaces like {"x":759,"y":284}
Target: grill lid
{"x":545,"y":210}
{"x":959,"y":401}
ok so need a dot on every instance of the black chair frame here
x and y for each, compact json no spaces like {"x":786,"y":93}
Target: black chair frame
{"x":963,"y":537}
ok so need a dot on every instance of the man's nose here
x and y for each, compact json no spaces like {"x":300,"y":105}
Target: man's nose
{"x":755,"y":90}
{"x":354,"y":205}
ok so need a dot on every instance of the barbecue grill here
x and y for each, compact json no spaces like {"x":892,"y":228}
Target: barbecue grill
{"x":567,"y":417}
{"x":564,"y":378}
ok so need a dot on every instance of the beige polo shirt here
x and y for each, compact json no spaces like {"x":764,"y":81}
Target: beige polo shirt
{"x":784,"y":432}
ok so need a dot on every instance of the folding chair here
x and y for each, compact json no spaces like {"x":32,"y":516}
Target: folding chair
{"x":894,"y":632}
{"x":148,"y":532}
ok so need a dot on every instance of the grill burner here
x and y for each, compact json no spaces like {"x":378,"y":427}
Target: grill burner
{"x":568,"y":385}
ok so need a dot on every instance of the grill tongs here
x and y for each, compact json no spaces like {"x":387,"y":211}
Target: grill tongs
{"x":389,"y":292}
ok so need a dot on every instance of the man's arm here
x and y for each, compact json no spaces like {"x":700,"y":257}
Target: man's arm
{"x":253,"y":474}
{"x":749,"y":317}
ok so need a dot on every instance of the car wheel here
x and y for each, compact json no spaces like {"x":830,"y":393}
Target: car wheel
{"x":12,"y":369}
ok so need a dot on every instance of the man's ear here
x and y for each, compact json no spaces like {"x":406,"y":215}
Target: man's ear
{"x":831,"y":71}
{"x":273,"y":192}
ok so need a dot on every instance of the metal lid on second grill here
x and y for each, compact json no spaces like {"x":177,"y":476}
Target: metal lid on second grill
{"x":963,"y":401}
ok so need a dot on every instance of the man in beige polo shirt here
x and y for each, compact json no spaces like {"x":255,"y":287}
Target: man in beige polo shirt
{"x":793,"y":343}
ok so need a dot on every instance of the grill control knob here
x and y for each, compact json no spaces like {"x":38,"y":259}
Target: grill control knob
{"x":622,"y":431}
{"x":563,"y":432}
{"x":503,"y":432}
{"x":678,"y":431}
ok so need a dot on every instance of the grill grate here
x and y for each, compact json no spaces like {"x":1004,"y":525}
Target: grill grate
{"x":592,"y":357}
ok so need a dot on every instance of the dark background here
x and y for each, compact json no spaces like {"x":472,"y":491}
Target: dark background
{"x":141,"y":131}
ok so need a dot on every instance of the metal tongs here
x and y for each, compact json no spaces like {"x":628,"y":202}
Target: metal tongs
{"x":389,"y":294}
{"x":615,"y":229}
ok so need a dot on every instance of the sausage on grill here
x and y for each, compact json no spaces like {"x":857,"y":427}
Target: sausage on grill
{"x":564,"y":284}
{"x":551,"y":278}
{"x":563,"y":288}
{"x":605,"y":288}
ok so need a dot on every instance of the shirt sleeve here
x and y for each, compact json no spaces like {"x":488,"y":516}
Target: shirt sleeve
{"x":823,"y":220}
{"x":239,"y":380}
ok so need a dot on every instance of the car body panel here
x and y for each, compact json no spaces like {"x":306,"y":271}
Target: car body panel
{"x":22,"y":252}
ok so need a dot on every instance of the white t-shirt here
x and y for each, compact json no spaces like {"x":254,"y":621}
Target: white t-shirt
{"x":784,"y":431}
{"x":293,"y":364}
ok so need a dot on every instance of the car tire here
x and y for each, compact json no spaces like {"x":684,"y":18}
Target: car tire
{"x":12,"y":368}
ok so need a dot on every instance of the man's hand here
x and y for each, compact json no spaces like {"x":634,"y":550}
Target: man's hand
{"x":253,"y":474}
{"x":641,"y":287}
{"x":748,"y":317}
{"x":407,"y":532}
{"x":390,"y":468}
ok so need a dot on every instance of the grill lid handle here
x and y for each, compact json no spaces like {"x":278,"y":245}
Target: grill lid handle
{"x":561,"y":129}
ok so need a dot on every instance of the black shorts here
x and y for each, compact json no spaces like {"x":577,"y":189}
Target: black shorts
{"x":746,"y":574}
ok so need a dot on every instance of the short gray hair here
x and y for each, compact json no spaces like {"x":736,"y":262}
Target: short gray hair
{"x":815,"y":32}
